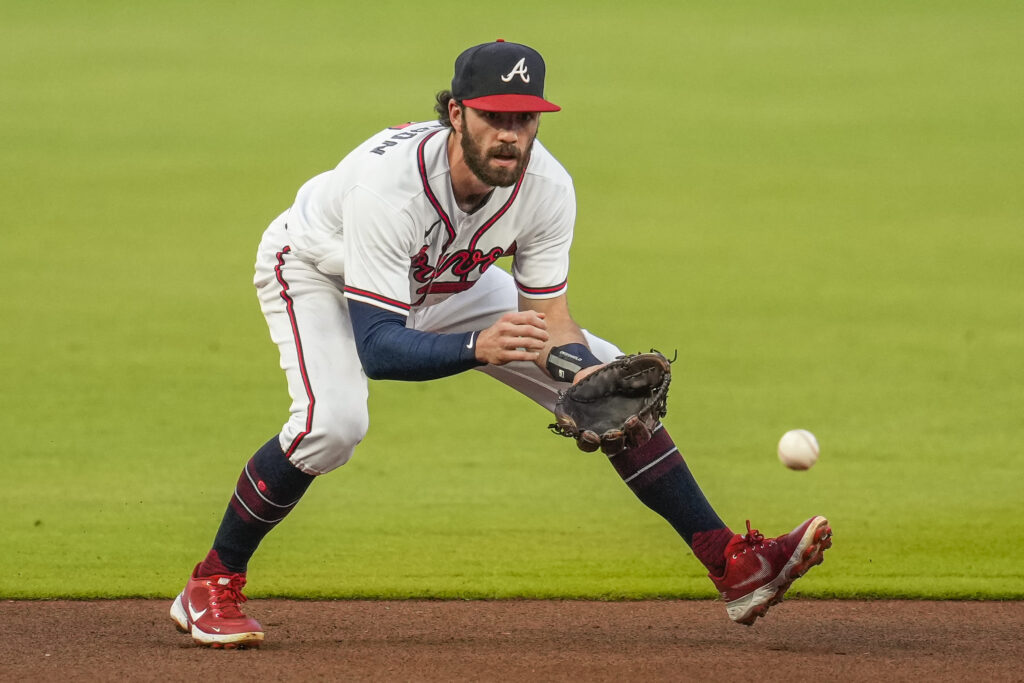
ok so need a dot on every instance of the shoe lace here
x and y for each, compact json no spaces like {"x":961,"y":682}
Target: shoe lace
{"x":225,"y":598}
{"x":754,"y":539}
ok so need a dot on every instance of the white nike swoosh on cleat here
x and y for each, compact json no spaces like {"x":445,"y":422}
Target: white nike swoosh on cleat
{"x":766,"y":571}
{"x":196,"y":616}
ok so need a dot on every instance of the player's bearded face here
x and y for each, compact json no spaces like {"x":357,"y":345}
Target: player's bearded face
{"x":480,"y":160}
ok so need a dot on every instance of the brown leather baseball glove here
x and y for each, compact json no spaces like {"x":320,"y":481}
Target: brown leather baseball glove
{"x":616,"y":406}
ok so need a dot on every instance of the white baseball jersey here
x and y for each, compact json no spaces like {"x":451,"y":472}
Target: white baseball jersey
{"x":386,"y":221}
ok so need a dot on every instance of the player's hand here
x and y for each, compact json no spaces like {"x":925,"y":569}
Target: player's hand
{"x":516,"y":336}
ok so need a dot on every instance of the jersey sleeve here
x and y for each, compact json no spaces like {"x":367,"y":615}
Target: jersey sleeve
{"x":378,"y":240}
{"x":541,"y":262}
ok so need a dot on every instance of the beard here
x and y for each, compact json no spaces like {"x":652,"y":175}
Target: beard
{"x":478,"y":161}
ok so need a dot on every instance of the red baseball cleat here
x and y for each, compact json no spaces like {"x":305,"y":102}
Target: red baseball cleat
{"x":209,"y":610}
{"x":759,"y":570}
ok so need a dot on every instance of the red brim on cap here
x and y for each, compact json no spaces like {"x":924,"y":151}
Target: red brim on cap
{"x":511,"y":103}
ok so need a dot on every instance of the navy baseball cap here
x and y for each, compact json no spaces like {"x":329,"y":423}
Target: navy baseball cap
{"x":501,"y":76}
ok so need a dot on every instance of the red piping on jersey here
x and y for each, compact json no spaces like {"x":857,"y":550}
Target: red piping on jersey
{"x":430,"y":193}
{"x":421,"y":162}
{"x":501,"y":212}
{"x":290,"y":305}
{"x":376,"y":297}
{"x":541,"y":290}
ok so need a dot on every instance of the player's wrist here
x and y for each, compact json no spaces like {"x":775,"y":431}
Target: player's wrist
{"x":469,"y":350}
{"x":566,"y":361}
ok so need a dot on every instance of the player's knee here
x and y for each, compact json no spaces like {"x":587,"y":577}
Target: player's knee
{"x":332,"y":440}
{"x":339,"y":434}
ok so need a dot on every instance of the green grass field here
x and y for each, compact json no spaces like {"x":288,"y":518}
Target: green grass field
{"x":819,"y":205}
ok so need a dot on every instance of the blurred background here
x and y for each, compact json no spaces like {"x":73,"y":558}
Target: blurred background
{"x":817,"y":205}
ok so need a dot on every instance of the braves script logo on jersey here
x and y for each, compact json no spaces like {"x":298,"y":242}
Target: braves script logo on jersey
{"x":460,"y":263}
{"x":518,"y":70}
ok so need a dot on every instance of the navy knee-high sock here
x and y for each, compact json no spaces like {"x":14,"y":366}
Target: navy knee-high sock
{"x":267,"y":490}
{"x":659,"y":477}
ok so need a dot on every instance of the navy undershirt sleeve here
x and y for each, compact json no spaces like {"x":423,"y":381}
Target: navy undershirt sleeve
{"x":390,"y":350}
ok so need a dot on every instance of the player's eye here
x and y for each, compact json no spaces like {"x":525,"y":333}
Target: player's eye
{"x":506,"y":119}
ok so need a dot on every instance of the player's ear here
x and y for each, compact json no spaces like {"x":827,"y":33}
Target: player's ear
{"x":455,"y":114}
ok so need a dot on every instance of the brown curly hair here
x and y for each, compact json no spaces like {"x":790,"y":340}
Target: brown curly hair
{"x":443,"y":98}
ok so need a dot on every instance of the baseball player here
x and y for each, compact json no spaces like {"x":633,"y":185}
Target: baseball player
{"x":382,"y":268}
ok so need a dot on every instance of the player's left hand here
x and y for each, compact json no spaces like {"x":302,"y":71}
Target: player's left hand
{"x":616,"y":405}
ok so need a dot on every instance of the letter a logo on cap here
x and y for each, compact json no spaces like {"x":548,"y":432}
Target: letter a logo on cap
{"x":518,"y":70}
{"x":500,"y":77}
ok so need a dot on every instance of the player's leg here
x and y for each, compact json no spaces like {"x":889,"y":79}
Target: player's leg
{"x":657,"y":474}
{"x":307,"y":317}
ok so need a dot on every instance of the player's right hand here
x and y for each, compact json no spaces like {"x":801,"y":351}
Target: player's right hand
{"x":520,"y":335}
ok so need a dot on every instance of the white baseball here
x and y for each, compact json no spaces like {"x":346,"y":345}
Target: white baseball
{"x":798,"y":449}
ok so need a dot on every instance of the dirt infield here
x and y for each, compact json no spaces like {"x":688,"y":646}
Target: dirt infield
{"x":134,"y":640}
